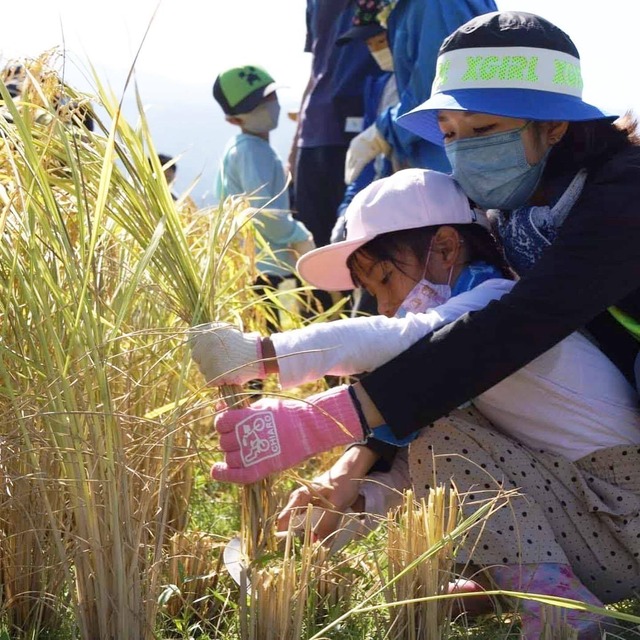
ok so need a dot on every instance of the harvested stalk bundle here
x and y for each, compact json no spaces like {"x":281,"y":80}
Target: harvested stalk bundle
{"x":415,"y":528}
{"x":294,"y":592}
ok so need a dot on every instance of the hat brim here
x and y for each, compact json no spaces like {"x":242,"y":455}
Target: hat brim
{"x":326,"y":267}
{"x":360,"y":32}
{"x":528,"y":104}
{"x":254,"y":99}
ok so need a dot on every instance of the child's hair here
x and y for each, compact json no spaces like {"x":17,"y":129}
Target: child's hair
{"x":165,"y":159}
{"x":392,"y":246}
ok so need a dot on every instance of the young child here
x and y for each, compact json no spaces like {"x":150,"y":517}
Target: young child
{"x":251,"y":167}
{"x":415,"y":243}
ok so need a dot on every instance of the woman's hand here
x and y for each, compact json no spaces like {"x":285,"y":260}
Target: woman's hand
{"x":334,"y":492}
{"x":274,"y":434}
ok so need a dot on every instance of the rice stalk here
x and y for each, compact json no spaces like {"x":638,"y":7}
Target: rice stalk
{"x":194,"y":569}
{"x":417,"y":526}
{"x":99,"y":275}
{"x":31,"y":574}
{"x":201,"y":288}
{"x":80,"y":369}
{"x":455,"y":535}
{"x":297,"y":588}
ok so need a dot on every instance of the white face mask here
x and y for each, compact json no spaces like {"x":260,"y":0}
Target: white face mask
{"x":262,"y":119}
{"x":384,"y":58}
{"x":425,"y":295}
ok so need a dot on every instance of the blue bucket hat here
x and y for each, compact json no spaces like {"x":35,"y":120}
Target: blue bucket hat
{"x":507,"y":63}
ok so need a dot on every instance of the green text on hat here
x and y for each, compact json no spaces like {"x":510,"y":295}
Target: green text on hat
{"x":508,"y":68}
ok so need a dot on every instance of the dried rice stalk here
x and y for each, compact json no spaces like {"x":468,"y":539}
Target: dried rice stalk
{"x":555,"y":627}
{"x":291,"y":595}
{"x":195,"y":564}
{"x":414,"y":529}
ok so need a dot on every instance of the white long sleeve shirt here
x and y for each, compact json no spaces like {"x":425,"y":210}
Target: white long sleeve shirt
{"x":571,"y":400}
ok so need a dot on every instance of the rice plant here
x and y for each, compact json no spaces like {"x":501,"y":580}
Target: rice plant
{"x":415,"y":528}
{"x":97,"y":401}
{"x":106,"y":428}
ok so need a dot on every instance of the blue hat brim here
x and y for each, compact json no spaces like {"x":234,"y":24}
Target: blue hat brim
{"x":528,"y":104}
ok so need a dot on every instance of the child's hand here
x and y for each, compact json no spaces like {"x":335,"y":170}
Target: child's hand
{"x":226,"y":355}
{"x":362,"y":149}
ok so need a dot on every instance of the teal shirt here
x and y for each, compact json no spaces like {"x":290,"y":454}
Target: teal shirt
{"x":250,"y":166}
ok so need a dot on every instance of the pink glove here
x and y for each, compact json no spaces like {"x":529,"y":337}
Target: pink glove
{"x":274,"y":434}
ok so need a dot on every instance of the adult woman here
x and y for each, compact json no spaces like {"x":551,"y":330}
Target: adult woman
{"x":414,"y":243}
{"x":508,"y":98}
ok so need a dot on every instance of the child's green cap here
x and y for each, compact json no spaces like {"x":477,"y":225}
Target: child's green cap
{"x":241,"y":89}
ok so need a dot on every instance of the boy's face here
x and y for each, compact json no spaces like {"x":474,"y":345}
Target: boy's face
{"x":378,"y":42}
{"x":262,"y":119}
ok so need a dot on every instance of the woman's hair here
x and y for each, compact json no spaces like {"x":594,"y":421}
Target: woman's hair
{"x":392,"y":246}
{"x":590,"y":143}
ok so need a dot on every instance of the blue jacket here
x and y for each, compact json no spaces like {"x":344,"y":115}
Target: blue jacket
{"x":416,"y":29}
{"x":373,"y":89}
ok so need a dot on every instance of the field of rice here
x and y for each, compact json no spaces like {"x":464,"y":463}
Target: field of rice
{"x":110,"y":527}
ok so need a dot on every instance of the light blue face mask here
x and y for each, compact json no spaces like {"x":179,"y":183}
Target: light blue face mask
{"x":493,"y":170}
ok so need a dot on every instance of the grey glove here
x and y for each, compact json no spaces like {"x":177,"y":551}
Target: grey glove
{"x":226,"y":355}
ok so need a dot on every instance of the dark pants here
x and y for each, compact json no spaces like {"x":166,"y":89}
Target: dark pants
{"x":270,"y":282}
{"x":319,"y":189}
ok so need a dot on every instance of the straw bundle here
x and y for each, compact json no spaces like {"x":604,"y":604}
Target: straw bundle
{"x":413,"y":530}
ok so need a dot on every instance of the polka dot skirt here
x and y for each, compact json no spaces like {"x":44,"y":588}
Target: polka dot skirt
{"x":584,"y":513}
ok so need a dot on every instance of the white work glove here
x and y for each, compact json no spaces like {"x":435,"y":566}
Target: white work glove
{"x":226,"y":355}
{"x":362,"y":150}
{"x":339,"y":231}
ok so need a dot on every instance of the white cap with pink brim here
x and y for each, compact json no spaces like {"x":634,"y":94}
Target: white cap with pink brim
{"x":408,"y":199}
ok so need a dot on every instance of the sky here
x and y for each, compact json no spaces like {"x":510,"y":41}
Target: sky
{"x":188,"y":42}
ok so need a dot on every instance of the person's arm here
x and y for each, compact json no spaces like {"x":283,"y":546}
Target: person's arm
{"x":382,"y":491}
{"x":290,"y":167}
{"x":344,"y":347}
{"x":594,"y":263}
{"x":336,"y":490}
{"x":292,"y":158}
{"x":227,"y":355}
